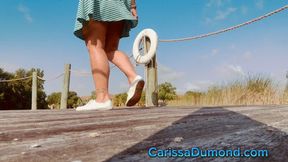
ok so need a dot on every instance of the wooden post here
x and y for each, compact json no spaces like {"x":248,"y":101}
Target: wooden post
{"x":285,"y":96}
{"x":286,"y":89}
{"x":151,"y":98}
{"x":34,"y":91}
{"x":66,"y":84}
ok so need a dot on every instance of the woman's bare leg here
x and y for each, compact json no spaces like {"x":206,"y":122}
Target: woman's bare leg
{"x":117,"y":57}
{"x":95,"y":36}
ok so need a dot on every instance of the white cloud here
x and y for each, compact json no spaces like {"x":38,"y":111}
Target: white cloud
{"x":244,"y":10}
{"x":234,"y":70}
{"x":167,"y":74}
{"x":230,"y":71}
{"x":217,"y":3}
{"x":260,"y":4}
{"x":222,"y":10}
{"x":208,"y":20}
{"x":248,"y":55}
{"x":25,"y":11}
{"x":222,"y":15}
{"x":214,"y":52}
{"x":197,"y":85}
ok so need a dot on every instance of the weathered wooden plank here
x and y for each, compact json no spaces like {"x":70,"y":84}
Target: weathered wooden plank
{"x":125,"y":135}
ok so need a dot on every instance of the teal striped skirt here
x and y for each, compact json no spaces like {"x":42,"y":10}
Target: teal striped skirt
{"x":104,"y":10}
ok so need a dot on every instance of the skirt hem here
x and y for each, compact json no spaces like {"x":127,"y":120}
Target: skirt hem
{"x":129,"y":24}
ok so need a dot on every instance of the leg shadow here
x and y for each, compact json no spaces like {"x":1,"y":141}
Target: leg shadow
{"x":212,"y":128}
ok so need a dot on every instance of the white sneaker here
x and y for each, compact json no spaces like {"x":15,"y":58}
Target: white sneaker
{"x":135,"y":91}
{"x":93,"y":105}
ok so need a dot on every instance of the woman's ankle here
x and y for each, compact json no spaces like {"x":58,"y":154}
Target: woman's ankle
{"x":102,"y":98}
{"x":131,"y":78}
{"x":102,"y":95}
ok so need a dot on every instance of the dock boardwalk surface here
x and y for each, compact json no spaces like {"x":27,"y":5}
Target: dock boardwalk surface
{"x":127,"y":134}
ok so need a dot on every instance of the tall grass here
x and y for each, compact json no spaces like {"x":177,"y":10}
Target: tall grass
{"x":253,"y":90}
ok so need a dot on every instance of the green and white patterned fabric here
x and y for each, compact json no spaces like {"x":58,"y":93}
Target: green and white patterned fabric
{"x":104,"y":10}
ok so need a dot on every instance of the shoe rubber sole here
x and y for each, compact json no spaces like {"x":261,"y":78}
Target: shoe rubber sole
{"x":137,"y":94}
{"x":96,"y":109}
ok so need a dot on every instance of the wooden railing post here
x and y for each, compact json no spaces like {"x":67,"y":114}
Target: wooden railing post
{"x":34,"y":91}
{"x":286,"y":89}
{"x":151,"y":98}
{"x":285,"y":95}
{"x":66,"y":84}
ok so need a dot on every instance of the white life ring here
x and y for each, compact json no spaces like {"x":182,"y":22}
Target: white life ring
{"x":152,"y":35}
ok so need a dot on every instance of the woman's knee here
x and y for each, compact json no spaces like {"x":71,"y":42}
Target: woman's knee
{"x":94,"y":44}
{"x":95,"y":41}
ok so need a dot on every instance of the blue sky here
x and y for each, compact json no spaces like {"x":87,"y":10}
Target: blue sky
{"x":39,"y":34}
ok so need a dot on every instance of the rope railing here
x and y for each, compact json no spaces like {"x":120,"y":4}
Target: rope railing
{"x":34,"y":87}
{"x":25,"y":78}
{"x":15,"y":80}
{"x":81,"y":73}
{"x":226,"y":29}
{"x":51,"y":79}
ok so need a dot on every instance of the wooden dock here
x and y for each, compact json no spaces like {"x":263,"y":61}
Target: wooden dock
{"x":126,"y":134}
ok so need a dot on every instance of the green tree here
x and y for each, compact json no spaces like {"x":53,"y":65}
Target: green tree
{"x":55,"y":98}
{"x":93,"y":95}
{"x":193,"y":96}
{"x":142,"y":99}
{"x":167,"y":92}
{"x":17,"y":95}
{"x":6,"y":93}
{"x":73,"y":100}
{"x":119,"y":99}
{"x":116,"y":100}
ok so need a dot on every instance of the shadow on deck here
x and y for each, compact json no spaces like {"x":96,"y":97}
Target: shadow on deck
{"x":212,"y":128}
{"x":126,"y":135}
